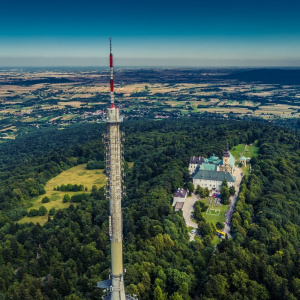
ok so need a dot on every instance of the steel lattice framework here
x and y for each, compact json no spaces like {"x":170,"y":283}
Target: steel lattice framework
{"x":113,"y":139}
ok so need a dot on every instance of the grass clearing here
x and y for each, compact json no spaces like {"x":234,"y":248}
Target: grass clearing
{"x":237,"y":151}
{"x":216,"y":240}
{"x":246,"y":170}
{"x":252,"y":150}
{"x":76,"y":175}
{"x":213,"y":212}
{"x":190,"y":228}
{"x":245,"y":150}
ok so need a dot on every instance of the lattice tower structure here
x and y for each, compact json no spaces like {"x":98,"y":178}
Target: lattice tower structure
{"x":114,"y":192}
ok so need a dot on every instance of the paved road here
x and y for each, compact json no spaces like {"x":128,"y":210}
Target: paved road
{"x":187,"y":210}
{"x":192,"y":236}
{"x":233,"y":199}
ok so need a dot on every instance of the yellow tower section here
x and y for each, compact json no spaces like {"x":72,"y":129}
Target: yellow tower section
{"x":225,"y":167}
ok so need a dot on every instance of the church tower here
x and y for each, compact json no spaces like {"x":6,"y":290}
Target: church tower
{"x":226,"y":156}
{"x":226,"y":166}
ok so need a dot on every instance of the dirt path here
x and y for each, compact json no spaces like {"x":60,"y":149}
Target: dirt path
{"x":242,"y":154}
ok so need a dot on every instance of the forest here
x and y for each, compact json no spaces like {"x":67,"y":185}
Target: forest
{"x":65,"y":258}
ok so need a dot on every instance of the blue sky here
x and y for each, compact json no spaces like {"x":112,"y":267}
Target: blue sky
{"x":154,"y":33}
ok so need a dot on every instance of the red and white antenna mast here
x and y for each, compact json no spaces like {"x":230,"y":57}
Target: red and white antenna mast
{"x":112,"y":96}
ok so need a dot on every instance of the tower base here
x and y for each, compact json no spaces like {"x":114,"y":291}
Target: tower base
{"x":107,"y":284}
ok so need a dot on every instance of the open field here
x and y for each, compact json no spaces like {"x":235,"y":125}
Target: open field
{"x":215,"y":213}
{"x":237,"y":151}
{"x":251,"y":150}
{"x":76,"y":175}
{"x":244,"y":150}
{"x":60,"y":98}
{"x":227,"y":110}
{"x":277,"y":109}
{"x":13,"y":128}
{"x":247,"y":151}
{"x":71,"y":103}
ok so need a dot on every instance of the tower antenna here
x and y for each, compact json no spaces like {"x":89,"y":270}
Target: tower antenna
{"x":112,"y":96}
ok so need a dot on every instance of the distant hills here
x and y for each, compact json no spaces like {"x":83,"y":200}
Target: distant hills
{"x":273,"y":76}
{"x":50,"y":80}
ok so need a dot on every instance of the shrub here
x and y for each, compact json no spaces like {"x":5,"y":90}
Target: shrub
{"x":46,"y":200}
{"x":67,"y":198}
{"x":42,"y":211}
{"x":79,"y":197}
{"x":70,"y":188}
{"x":219,"y":225}
{"x":33,"y":212}
{"x":52,"y":211}
{"x":203,"y":206}
{"x":232,"y":190}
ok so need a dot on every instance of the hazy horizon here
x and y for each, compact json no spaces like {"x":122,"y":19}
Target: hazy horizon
{"x":95,"y":62}
{"x":158,"y":33}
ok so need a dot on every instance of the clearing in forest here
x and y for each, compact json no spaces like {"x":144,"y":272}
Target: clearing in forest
{"x":237,"y":151}
{"x":244,"y":150}
{"x":247,"y":151}
{"x":213,"y":212}
{"x":76,"y":175}
{"x":251,"y":150}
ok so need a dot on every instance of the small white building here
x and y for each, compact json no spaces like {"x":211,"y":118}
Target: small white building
{"x":243,"y":160}
{"x":179,"y":198}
